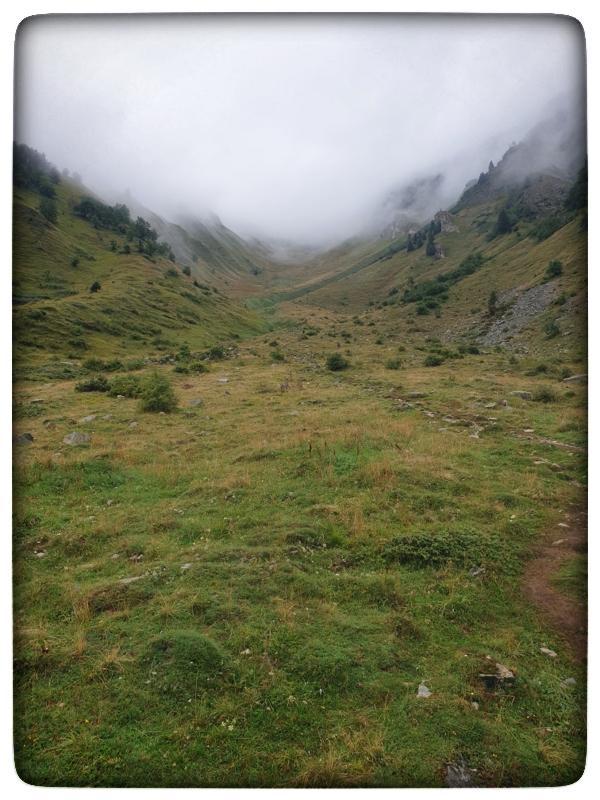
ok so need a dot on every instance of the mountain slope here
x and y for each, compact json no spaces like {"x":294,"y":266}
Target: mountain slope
{"x":144,"y":304}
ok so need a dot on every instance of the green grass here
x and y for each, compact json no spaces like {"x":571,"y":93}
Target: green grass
{"x":248,"y":591}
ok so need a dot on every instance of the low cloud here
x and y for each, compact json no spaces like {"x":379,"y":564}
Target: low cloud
{"x":286,"y":126}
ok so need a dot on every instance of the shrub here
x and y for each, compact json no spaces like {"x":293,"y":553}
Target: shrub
{"x":393,"y":363}
{"x":336,"y":362}
{"x":98,"y":365}
{"x":186,"y":271}
{"x":553,"y":270}
{"x":551,"y":329}
{"x":74,"y":261}
{"x":48,"y":209}
{"x":216,"y":353}
{"x":127,"y":385}
{"x":96,"y":384}
{"x":157,"y":393}
{"x":433,"y":361}
{"x":95,"y":287}
{"x":545,"y":395}
{"x":277,"y":355}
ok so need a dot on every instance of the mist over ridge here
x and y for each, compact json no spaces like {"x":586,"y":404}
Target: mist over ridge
{"x":307,"y":130}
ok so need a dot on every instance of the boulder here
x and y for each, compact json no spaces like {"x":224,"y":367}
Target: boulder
{"x":522,"y":395}
{"x":76,"y":438}
{"x":24,"y":438}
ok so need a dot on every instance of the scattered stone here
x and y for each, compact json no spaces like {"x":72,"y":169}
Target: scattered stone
{"x":186,"y":566}
{"x":37,"y":400}
{"x":120,"y":397}
{"x":490,"y":405}
{"x":77,"y":438}
{"x":475,"y":571}
{"x":107,"y":416}
{"x":522,"y":395}
{"x":547,"y":652}
{"x":133,"y":424}
{"x":423,"y":691}
{"x":40,"y":554}
{"x":24,"y":438}
{"x":222,"y":380}
{"x":502,"y":676}
{"x":459,"y":775}
{"x":576,"y":379}
{"x":559,"y":541}
{"x":133,"y":579}
{"x":562,"y":525}
{"x":568,"y":682}
{"x":196,"y":402}
{"x":475,"y":705}
{"x":416,"y":395}
{"x":528,"y":430}
{"x":89,"y":418}
{"x":115,"y":556}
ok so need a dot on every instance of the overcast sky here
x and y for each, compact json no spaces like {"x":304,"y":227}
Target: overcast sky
{"x":285,"y":126}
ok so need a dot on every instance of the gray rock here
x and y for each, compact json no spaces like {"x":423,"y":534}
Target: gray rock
{"x":526,"y":306}
{"x":197,"y":401}
{"x":503,"y":676}
{"x":89,"y":418}
{"x":576,"y":379}
{"x":77,"y":438}
{"x":569,"y":682}
{"x":133,"y":579}
{"x":24,"y":438}
{"x":547,"y":652}
{"x":522,"y":395}
{"x":133,"y":424}
{"x":459,"y":775}
{"x":186,"y":566}
{"x":423,"y":691}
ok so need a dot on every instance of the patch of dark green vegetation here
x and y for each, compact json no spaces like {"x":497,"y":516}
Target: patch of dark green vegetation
{"x":431,"y":293}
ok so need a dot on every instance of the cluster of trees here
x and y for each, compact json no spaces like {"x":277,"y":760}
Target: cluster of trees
{"x":118,"y":218}
{"x":31,"y":170}
{"x":424,"y":235}
{"x":431,"y":293}
{"x":578,"y":194}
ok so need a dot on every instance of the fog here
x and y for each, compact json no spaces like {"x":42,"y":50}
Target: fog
{"x":287,"y":127}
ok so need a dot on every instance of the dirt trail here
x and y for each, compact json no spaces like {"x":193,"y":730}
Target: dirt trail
{"x":564,"y":613}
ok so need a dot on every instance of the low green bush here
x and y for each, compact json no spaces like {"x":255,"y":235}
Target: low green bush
{"x":157,"y":393}
{"x":97,"y":383}
{"x":336,"y":362}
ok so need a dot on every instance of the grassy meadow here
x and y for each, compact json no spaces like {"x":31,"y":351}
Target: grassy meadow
{"x":249,"y":590}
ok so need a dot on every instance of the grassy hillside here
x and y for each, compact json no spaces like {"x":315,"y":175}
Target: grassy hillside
{"x":373,"y":285}
{"x":144,"y":305}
